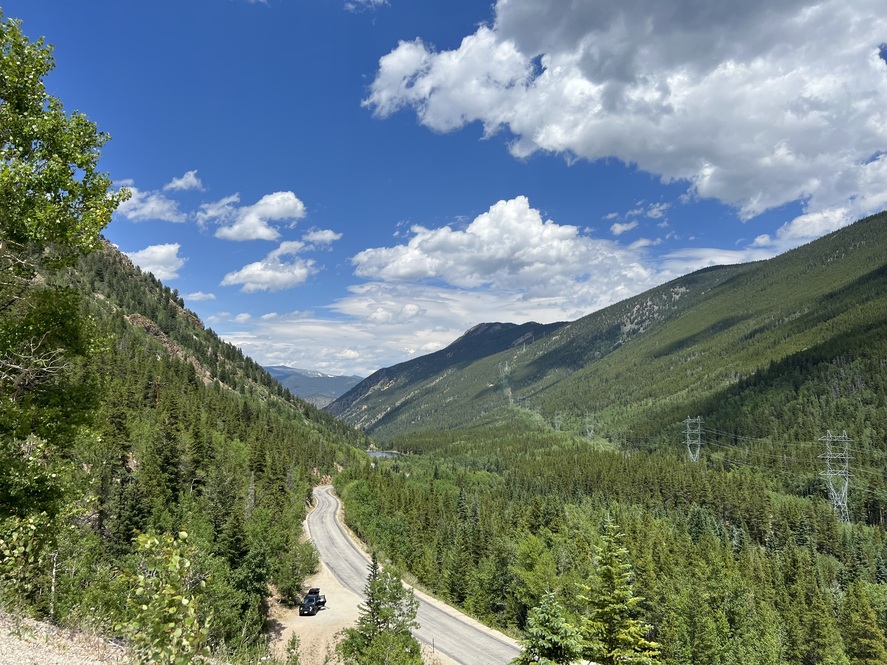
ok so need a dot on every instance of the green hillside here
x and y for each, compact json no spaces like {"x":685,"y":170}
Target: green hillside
{"x":391,"y":392}
{"x":706,"y":344}
{"x":153,"y":479}
{"x":157,"y":427}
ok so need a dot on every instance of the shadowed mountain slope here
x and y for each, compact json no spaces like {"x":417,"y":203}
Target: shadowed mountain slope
{"x":715,"y":337}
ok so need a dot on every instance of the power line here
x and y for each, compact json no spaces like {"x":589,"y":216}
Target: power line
{"x":768,"y":442}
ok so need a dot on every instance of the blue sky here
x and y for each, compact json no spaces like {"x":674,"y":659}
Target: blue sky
{"x":342,"y":185}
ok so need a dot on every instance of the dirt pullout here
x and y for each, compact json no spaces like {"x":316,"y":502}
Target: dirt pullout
{"x":318,"y":634}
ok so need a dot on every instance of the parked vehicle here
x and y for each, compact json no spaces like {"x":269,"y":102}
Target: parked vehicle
{"x":312,"y":602}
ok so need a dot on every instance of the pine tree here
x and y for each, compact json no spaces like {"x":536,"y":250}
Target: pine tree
{"x":611,"y":631}
{"x":811,"y":630}
{"x":551,"y":640}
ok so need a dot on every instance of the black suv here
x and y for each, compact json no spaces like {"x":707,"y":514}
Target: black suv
{"x":312,"y":602}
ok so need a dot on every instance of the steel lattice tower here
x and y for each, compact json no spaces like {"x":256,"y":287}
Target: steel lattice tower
{"x":694,"y":436}
{"x":837,"y":466}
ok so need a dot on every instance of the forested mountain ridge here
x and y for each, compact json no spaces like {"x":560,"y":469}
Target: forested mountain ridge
{"x":645,"y":363}
{"x":371,"y":400}
{"x":118,"y":288}
{"x":768,"y":547}
{"x":161,"y":427}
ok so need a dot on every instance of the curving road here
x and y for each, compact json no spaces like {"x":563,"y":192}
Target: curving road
{"x":461,"y":638}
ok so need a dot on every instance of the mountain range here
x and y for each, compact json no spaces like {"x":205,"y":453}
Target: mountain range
{"x":314,"y":387}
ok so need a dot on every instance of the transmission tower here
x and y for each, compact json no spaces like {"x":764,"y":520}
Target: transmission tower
{"x":837,"y":471}
{"x":694,"y":436}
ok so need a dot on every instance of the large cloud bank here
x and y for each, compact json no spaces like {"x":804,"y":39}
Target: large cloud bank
{"x":755,"y":104}
{"x":510,"y":249}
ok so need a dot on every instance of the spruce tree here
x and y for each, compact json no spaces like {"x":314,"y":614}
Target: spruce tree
{"x":611,"y":630}
{"x":382,"y":635}
{"x":550,"y":640}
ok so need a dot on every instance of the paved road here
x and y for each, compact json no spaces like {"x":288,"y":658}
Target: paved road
{"x":461,"y":638}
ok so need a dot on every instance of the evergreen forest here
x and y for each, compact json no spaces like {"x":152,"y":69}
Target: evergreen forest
{"x":713,"y":421}
{"x":153,"y":480}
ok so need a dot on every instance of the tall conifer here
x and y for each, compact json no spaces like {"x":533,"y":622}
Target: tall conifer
{"x":612,"y":631}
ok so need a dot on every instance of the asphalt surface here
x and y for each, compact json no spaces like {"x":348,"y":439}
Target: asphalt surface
{"x":443,"y":628}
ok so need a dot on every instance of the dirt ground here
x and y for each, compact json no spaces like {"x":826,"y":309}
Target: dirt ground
{"x":318,"y":634}
{"x":28,"y":642}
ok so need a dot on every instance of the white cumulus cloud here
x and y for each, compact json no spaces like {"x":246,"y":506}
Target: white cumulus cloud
{"x":163,"y":261}
{"x":754,"y":104}
{"x":273,"y":273}
{"x":149,"y":206}
{"x":252,"y":222}
{"x":510,"y":249}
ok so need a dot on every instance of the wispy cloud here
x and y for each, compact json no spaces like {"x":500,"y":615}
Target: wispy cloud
{"x":683,"y":261}
{"x":364,"y":5}
{"x":199,"y":296}
{"x":618,"y":229}
{"x":149,"y":206}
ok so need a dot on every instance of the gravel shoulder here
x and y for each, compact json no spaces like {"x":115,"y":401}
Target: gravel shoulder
{"x":28,"y":642}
